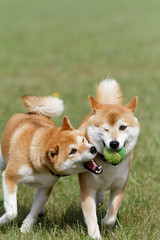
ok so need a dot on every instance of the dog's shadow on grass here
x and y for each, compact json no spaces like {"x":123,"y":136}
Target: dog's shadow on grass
{"x":71,"y":217}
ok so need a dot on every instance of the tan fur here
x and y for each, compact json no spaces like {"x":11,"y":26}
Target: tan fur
{"x":26,"y":140}
{"x":49,"y":191}
{"x":37,"y":153}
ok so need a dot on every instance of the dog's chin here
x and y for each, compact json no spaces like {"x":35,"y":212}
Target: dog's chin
{"x":101,"y":151}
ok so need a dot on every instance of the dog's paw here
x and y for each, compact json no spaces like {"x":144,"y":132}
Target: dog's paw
{"x":24,"y":228}
{"x":109,"y":223}
{"x":96,"y":236}
{"x":27,"y":225}
{"x":100,"y":197}
{"x":94,"y":233}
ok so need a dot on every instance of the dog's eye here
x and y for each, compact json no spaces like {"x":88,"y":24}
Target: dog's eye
{"x":106,"y":130}
{"x":122,"y":127}
{"x":73,"y":151}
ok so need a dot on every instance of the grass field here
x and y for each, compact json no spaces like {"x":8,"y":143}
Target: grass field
{"x":68,"y":47}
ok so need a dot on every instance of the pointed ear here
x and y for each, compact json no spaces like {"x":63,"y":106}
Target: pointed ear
{"x":132,"y":104}
{"x":94,"y":104}
{"x":66,"y":124}
{"x":52,"y":152}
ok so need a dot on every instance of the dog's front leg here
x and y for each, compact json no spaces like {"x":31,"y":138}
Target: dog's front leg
{"x":41,"y":197}
{"x":10,"y":197}
{"x":88,"y":199}
{"x":116,"y":197}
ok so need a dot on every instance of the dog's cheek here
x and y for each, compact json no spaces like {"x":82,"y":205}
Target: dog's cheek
{"x":122,"y":139}
{"x":94,"y":134}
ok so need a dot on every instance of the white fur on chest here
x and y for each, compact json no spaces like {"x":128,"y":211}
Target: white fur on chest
{"x":112,"y":176}
{"x":42,"y":179}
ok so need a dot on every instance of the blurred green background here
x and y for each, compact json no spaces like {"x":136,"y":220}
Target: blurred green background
{"x":68,"y":47}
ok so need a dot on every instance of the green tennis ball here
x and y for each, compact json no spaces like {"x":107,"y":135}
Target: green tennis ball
{"x":114,"y":157}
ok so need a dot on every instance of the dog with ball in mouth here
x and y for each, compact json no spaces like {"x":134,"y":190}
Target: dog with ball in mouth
{"x":113,"y":129}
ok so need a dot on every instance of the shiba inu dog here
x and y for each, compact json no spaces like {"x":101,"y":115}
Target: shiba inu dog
{"x":35,"y":152}
{"x":114,"y":126}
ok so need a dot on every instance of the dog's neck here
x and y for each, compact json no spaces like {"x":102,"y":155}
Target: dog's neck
{"x":57,"y":175}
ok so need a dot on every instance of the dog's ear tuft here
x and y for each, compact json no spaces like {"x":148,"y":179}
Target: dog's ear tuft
{"x":66,"y":125}
{"x":94,"y":104}
{"x":132,"y":104}
{"x":53,"y":152}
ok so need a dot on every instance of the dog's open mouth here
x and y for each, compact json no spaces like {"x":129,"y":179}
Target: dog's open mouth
{"x":93,"y":167}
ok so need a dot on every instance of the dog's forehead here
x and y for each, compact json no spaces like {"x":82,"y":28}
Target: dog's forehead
{"x":74,"y":137}
{"x":113,"y":114}
{"x":78,"y":137}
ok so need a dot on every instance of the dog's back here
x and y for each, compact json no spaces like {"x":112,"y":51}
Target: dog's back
{"x":25,"y":124}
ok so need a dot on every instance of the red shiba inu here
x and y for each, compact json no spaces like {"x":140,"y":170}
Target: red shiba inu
{"x":35,"y":152}
{"x":114,"y":126}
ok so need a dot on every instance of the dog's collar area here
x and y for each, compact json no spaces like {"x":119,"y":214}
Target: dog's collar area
{"x":104,"y":160}
{"x":57,"y":175}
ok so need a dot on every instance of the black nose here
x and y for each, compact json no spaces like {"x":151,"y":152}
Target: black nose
{"x":93,"y":150}
{"x":114,"y":145}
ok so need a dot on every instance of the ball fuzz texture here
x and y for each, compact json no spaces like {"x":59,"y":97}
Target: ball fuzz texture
{"x":114,"y":157}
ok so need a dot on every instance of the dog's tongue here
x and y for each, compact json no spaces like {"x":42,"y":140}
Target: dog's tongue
{"x":93,"y":167}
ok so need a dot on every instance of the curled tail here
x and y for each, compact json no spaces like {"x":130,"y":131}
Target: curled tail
{"x":108,"y":92}
{"x":43,"y":105}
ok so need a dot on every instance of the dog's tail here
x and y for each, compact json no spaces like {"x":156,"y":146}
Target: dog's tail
{"x":108,"y":92}
{"x":43,"y":105}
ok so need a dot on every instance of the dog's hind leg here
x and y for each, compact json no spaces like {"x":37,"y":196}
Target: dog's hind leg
{"x":41,"y":197}
{"x":10,"y":197}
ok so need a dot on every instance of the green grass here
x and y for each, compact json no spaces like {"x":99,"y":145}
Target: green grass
{"x":68,"y":47}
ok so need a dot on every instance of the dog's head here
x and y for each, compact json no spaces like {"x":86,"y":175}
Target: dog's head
{"x":68,"y":151}
{"x":113,"y":126}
